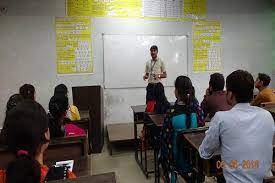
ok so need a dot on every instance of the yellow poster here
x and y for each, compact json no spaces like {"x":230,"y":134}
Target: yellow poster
{"x":108,"y":8}
{"x":194,"y":9}
{"x":206,"y":40}
{"x":73,"y":45}
{"x":170,"y":10}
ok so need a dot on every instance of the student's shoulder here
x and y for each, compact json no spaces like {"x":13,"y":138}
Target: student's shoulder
{"x":261,"y":111}
{"x":223,"y":115}
{"x":161,"y":60}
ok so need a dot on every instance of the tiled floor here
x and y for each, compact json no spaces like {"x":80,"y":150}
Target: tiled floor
{"x":124,"y":165}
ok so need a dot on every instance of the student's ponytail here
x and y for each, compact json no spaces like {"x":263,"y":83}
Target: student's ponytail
{"x":24,"y":169}
{"x":186,"y":93}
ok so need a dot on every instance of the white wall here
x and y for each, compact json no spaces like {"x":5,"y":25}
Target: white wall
{"x":27,"y":49}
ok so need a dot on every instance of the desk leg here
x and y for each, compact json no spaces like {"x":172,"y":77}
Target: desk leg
{"x":145,"y":150}
{"x":199,"y":174}
{"x":156,"y":164}
{"x":139,"y":161}
{"x":135,"y":136}
{"x":197,"y":170}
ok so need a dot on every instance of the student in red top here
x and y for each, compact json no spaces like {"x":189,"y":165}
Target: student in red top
{"x":156,"y":100}
{"x":28,"y":138}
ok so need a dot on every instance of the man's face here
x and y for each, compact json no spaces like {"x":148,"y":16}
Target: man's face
{"x":258,"y":83}
{"x":154,"y":53}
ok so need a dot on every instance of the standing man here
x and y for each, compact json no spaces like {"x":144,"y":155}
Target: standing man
{"x":155,"y":68}
{"x":154,"y":71}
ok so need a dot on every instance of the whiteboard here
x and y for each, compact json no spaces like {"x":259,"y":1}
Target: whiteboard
{"x":125,"y":57}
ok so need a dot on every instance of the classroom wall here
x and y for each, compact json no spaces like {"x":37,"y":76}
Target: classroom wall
{"x":27,"y":49}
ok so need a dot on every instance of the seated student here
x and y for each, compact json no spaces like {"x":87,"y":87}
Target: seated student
{"x":27,"y":91}
{"x":12,"y":102}
{"x":28,"y":138}
{"x":185,"y":114}
{"x":244,"y":134}
{"x":72,"y":113}
{"x":156,"y":100}
{"x":58,"y":107}
{"x":265,"y":94}
{"x":215,"y":98}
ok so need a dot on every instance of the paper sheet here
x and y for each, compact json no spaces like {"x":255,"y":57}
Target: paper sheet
{"x":73,"y":45}
{"x":206,"y":40}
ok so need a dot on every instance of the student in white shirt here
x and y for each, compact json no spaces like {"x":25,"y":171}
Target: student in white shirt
{"x":244,"y":134}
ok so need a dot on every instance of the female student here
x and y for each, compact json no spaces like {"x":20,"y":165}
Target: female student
{"x":157,"y":103}
{"x":58,"y":107}
{"x":72,"y":112}
{"x":28,"y":138}
{"x":27,"y":91}
{"x":156,"y":100}
{"x":12,"y":102}
{"x":185,"y":114}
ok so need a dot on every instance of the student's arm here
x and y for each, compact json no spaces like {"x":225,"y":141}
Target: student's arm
{"x":257,"y":100}
{"x":146,"y":76}
{"x":211,"y":141}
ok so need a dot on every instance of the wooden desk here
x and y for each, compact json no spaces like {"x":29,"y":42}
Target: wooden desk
{"x":138,"y":113}
{"x":157,"y":119}
{"x":201,"y":167}
{"x":65,"y":148}
{"x":120,"y":133}
{"x":100,"y":178}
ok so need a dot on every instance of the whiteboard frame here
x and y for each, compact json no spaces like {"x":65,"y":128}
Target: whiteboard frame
{"x":132,"y":87}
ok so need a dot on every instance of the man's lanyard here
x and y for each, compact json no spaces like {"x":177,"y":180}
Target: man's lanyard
{"x":152,"y":66}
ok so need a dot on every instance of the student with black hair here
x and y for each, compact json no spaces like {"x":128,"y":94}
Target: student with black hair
{"x":58,"y":107}
{"x":72,"y":112}
{"x":27,"y":91}
{"x":265,"y":94}
{"x":12,"y":102}
{"x":28,"y":138}
{"x":185,"y":114}
{"x":243,"y":134}
{"x":156,"y":100}
{"x":215,"y":96}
